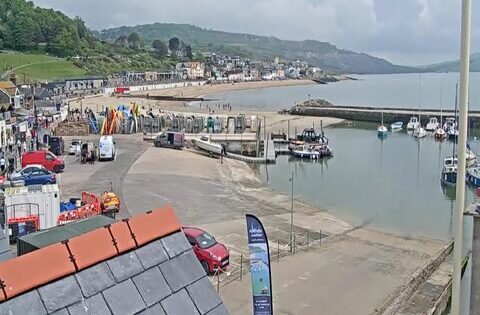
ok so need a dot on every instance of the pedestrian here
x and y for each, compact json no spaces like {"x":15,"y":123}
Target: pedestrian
{"x":24,"y":146}
{"x":92,"y":156}
{"x":2,"y":164}
{"x":19,"y":147}
{"x":10,"y":144}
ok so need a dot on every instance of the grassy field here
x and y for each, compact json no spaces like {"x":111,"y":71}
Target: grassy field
{"x":38,"y":67}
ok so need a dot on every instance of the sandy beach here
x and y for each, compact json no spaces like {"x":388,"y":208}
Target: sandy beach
{"x":197,"y":91}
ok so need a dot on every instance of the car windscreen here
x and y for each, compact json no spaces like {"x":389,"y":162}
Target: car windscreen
{"x":75,"y":142}
{"x":205,"y":240}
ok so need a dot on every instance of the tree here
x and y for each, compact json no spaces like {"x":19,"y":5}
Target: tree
{"x":188,"y":52}
{"x":160,"y":48}
{"x":134,"y":40}
{"x":81,"y":28}
{"x":200,"y":57}
{"x":174,"y":44}
{"x":122,"y":41}
{"x":66,"y":43}
{"x":23,"y":31}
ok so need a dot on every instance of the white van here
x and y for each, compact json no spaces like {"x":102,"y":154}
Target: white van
{"x":106,"y":148}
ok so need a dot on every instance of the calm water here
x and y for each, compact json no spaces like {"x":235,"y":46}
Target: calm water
{"x":397,"y":90}
{"x":391,"y":185}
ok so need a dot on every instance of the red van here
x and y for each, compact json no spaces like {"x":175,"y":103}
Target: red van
{"x":45,"y":158}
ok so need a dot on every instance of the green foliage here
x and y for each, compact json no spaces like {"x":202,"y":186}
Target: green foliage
{"x":174,"y":44}
{"x":188,"y":52}
{"x":134,"y":40}
{"x":160,"y":48}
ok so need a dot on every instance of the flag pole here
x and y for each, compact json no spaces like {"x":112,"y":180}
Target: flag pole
{"x":462,"y":143}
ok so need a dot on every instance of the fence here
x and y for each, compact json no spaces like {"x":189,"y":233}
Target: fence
{"x":282,"y":249}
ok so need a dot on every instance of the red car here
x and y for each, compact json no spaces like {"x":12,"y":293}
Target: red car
{"x":211,"y":254}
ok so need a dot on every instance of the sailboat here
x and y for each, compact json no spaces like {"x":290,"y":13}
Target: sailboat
{"x":439,"y":133}
{"x":419,"y":132}
{"x":452,"y":132}
{"x":382,"y":130}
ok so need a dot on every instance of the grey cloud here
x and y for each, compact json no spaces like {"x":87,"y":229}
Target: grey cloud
{"x":401,"y":30}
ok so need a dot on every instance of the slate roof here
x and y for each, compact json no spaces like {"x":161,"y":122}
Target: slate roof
{"x":152,"y":271}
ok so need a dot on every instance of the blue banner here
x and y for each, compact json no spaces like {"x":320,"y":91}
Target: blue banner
{"x":259,"y":267}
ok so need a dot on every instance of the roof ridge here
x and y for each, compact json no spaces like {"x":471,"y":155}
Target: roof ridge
{"x":27,"y":272}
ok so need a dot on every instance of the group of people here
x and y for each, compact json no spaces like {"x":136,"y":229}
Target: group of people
{"x":13,"y":148}
{"x":88,"y":156}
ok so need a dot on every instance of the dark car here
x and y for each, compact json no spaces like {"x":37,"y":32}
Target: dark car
{"x":211,"y":254}
{"x":35,"y":175}
{"x":56,"y":145}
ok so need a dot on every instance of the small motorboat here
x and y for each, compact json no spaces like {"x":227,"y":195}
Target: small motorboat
{"x":312,"y":152}
{"x":205,"y":144}
{"x":397,"y":126}
{"x":473,"y":176}
{"x":413,"y":123}
{"x":449,"y":175}
{"x":419,"y":132}
{"x":449,"y":124}
{"x":470,"y":157}
{"x":308,"y":137}
{"x":439,"y":134}
{"x":432,"y":124}
{"x":452,"y":134}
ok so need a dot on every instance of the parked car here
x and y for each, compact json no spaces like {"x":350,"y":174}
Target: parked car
{"x":45,"y":158}
{"x":35,"y":175}
{"x":106,"y":147}
{"x":170,"y":139}
{"x":75,"y":146}
{"x":56,"y":145}
{"x":211,"y":254}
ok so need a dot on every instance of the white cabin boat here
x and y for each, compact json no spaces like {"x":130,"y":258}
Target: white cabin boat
{"x":205,"y":144}
{"x":413,"y":123}
{"x":432,"y":124}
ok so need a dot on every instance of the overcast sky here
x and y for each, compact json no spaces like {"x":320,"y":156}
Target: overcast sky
{"x":406,"y":32}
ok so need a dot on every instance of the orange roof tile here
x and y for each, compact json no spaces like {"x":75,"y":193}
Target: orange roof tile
{"x":154,"y":224}
{"x":34,"y":269}
{"x":92,"y":247}
{"x":121,"y":234}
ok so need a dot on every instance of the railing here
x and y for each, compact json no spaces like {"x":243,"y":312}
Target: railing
{"x":222,"y":277}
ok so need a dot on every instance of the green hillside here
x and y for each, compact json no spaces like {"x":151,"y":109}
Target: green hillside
{"x":37,"y":67}
{"x":317,"y":53}
{"x":454,"y":66}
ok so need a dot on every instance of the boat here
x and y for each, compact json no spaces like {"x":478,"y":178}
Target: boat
{"x":473,"y":176}
{"x":452,"y":134}
{"x":396,"y":126}
{"x":205,"y":144}
{"x":432,"y":124}
{"x":382,"y":130}
{"x":308,"y":136}
{"x":439,"y":134}
{"x":419,"y":132}
{"x":470,"y":157}
{"x":449,"y":124}
{"x":413,"y":123}
{"x":312,"y":152}
{"x":449,"y":175}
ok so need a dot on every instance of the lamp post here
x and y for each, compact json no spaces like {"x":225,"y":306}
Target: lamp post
{"x":35,"y":113}
{"x":462,"y":144}
{"x":291,"y":217}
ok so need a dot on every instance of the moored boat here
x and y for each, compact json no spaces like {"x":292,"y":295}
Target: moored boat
{"x":396,"y":126}
{"x":449,"y":175}
{"x":473,"y":176}
{"x":313,"y":152}
{"x":419,"y":132}
{"x":413,"y":123}
{"x":382,"y":131}
{"x":439,"y":134}
{"x":432,"y":124}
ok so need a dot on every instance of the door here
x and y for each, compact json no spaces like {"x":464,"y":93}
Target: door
{"x":49,"y":161}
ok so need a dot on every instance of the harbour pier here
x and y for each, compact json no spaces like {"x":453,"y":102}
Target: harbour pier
{"x":374,"y":114}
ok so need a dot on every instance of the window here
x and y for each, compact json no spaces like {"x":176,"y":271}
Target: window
{"x":50,"y":157}
{"x":206,"y":240}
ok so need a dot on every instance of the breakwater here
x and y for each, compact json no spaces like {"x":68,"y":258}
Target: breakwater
{"x":372,"y":114}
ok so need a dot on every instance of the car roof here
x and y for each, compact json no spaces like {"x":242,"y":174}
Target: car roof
{"x":193,"y":232}
{"x":34,"y":165}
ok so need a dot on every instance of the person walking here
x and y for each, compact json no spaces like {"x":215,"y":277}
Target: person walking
{"x":19,"y":147}
{"x":24,"y":146}
{"x":10,"y":144}
{"x":2,"y":163}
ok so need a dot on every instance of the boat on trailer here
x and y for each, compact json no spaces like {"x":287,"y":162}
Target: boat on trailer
{"x":205,"y":144}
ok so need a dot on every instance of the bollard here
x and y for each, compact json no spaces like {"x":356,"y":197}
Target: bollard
{"x":218,"y":282}
{"x":320,"y":239}
{"x":241,"y":267}
{"x":307,"y":239}
{"x":278,"y":250}
{"x":294,"y":243}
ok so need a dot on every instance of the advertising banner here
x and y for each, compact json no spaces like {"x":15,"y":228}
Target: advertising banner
{"x":259,"y":267}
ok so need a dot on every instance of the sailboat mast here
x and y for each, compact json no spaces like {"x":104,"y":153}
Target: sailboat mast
{"x":456,"y":106}
{"x":419,"y":98}
{"x":441,"y":105}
